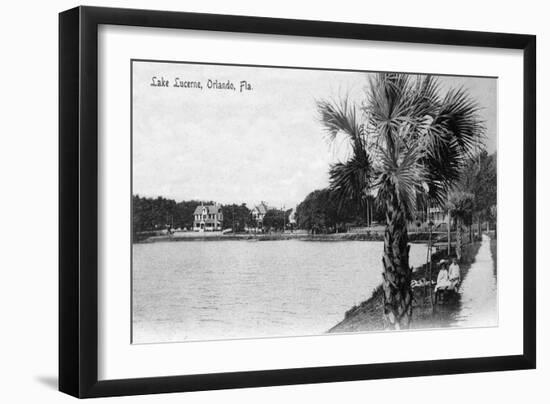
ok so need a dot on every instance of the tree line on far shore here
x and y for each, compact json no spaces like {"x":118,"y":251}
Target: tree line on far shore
{"x":154,"y":214}
{"x":472,"y":201}
{"x":240,"y":218}
{"x":150,"y":214}
{"x":322,"y":212}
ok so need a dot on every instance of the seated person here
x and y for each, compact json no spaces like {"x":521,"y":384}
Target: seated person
{"x":443,"y":281}
{"x":454,"y":275}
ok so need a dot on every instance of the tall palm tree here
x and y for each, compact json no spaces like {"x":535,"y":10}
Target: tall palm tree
{"x":409,"y":140}
{"x":461,"y":209}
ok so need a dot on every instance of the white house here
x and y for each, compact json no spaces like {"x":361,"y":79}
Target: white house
{"x":208,"y":218}
{"x":438,"y":215}
{"x":258,"y":213}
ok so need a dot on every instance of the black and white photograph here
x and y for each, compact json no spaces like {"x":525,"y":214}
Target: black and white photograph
{"x":292,"y":201}
{"x":245,"y":202}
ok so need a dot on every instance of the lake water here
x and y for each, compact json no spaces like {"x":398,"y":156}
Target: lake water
{"x":193,"y":290}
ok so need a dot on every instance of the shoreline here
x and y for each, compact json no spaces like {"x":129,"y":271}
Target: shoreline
{"x":265,"y":237}
{"x":373,"y":235}
{"x":367,"y":315}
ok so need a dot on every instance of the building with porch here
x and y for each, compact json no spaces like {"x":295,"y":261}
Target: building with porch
{"x":208,"y":218}
{"x":258,"y":213}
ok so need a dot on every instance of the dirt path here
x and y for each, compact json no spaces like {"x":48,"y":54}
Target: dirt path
{"x":478,"y":301}
{"x":476,"y":304}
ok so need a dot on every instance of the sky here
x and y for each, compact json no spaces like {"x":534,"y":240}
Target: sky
{"x":259,"y":144}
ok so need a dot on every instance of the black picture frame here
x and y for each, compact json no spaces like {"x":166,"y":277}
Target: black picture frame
{"x":78,"y":200}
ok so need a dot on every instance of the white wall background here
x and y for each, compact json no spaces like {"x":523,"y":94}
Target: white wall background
{"x":28,"y":202}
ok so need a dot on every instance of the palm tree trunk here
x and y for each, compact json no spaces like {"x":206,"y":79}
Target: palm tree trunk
{"x":448,"y":232}
{"x":458,"y":247}
{"x":397,"y":273}
{"x":479,"y":227}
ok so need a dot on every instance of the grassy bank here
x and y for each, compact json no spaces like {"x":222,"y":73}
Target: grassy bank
{"x":263,"y":237}
{"x":300,"y":235}
{"x":367,"y":316}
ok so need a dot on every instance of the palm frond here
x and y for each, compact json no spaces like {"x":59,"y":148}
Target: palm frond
{"x":387,"y":105}
{"x":352,"y":180}
{"x":398,"y":106}
{"x":341,"y":117}
{"x":453,"y":136}
{"x":402,"y":176}
{"x":461,"y":206}
{"x":459,"y":115}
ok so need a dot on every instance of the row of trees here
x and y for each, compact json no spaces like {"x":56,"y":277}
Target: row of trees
{"x":240,"y":218}
{"x":277,"y":219}
{"x":150,"y":214}
{"x":474,"y":198}
{"x":236,"y":217}
{"x":480,"y":181}
{"x":323,"y":212}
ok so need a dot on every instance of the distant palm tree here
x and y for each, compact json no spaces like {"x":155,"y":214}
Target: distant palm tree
{"x":461,"y":209}
{"x":408,"y":142}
